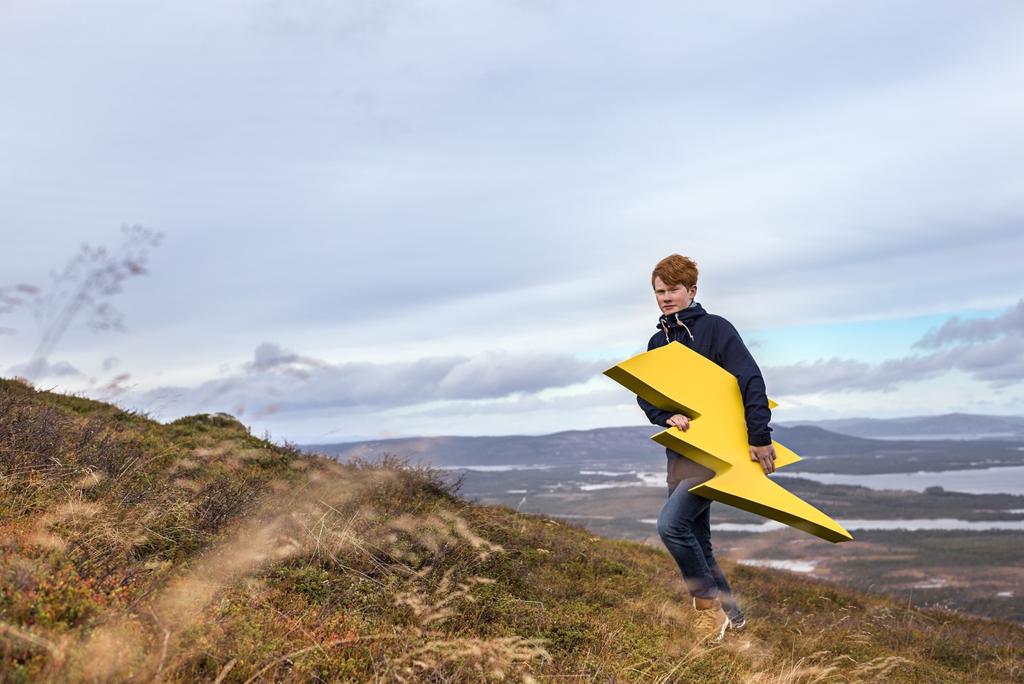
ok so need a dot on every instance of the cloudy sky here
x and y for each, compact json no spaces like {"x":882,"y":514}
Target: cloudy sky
{"x":387,"y":218}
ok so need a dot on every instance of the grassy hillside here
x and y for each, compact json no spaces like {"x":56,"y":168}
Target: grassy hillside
{"x":192,"y":551}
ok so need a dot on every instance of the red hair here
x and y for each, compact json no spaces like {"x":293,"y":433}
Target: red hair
{"x":676,"y":269}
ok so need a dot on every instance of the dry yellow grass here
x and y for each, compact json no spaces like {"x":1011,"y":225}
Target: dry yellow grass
{"x":274,"y":566}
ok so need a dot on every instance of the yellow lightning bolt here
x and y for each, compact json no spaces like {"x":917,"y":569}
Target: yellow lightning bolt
{"x":676,"y":378}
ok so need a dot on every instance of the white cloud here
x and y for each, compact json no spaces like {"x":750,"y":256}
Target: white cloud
{"x":988,"y":350}
{"x":42,"y":369}
{"x":281,"y":382}
{"x":974,"y":330}
{"x":370,"y":181}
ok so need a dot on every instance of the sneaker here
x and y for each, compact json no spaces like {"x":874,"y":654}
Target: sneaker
{"x":711,"y":621}
{"x":737,"y":620}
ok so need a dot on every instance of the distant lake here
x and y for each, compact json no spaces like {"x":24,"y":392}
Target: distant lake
{"x":852,"y":525}
{"x":956,"y":437}
{"x":1004,"y":480}
{"x":495,"y":468}
{"x":996,"y":480}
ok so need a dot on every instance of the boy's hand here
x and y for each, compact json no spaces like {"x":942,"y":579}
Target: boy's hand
{"x":765,"y":455}
{"x":680,"y":421}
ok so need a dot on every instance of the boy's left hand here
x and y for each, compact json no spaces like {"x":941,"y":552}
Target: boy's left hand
{"x":765,"y":455}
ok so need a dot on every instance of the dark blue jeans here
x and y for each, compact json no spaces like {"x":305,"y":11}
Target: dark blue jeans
{"x":684,"y":525}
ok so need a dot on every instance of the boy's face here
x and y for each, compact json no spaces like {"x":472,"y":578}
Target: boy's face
{"x":672,"y":298}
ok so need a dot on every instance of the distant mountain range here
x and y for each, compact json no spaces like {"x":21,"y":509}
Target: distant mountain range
{"x":571,"y":446}
{"x":948,"y":426}
{"x":824,"y":450}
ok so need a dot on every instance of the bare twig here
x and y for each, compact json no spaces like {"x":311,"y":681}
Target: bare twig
{"x":224,"y":671}
{"x":28,"y":637}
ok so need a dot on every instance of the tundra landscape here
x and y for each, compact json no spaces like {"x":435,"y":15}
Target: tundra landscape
{"x":140,"y":551}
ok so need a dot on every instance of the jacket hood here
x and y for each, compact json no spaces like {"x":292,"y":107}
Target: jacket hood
{"x":683,"y":318}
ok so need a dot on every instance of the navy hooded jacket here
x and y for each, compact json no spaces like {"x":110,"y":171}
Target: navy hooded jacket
{"x":715,"y":338}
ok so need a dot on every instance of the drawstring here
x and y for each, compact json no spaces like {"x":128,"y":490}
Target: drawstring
{"x":684,"y":326}
{"x":664,"y":327}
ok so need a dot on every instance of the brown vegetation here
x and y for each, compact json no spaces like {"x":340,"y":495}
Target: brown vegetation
{"x":192,"y":551}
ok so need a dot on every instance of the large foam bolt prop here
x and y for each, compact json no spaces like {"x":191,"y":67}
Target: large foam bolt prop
{"x":676,"y":378}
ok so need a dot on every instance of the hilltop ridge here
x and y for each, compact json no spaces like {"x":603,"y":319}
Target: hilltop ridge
{"x":821,"y":449}
{"x":563,"y":447}
{"x":132,"y":550}
{"x":944,"y":426}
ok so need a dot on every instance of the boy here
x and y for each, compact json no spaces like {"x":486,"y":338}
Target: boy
{"x":684,"y":522}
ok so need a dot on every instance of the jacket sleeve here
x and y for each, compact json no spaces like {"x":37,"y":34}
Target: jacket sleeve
{"x":736,"y":358}
{"x":654,"y":414}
